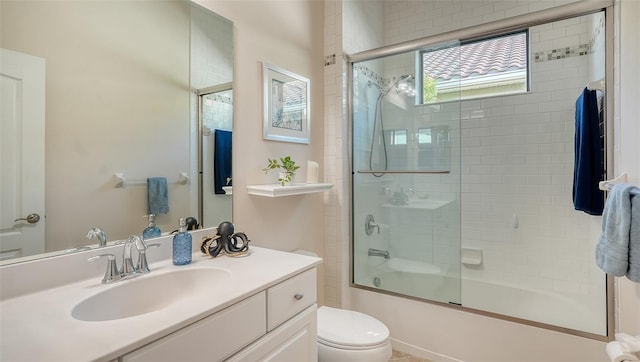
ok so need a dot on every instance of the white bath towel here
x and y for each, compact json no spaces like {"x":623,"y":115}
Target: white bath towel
{"x":614,"y":350}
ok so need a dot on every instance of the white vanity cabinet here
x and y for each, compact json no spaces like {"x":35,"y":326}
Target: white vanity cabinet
{"x":276,"y":324}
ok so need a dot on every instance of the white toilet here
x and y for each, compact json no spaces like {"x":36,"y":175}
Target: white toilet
{"x":349,"y":336}
{"x":346,"y":335}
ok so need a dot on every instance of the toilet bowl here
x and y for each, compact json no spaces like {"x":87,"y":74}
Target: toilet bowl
{"x":346,"y":335}
{"x":350,"y":336}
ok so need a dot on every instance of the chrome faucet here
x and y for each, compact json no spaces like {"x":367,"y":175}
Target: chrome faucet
{"x":378,"y":252}
{"x":126,"y":270}
{"x":98,"y":233}
{"x":142,"y":266}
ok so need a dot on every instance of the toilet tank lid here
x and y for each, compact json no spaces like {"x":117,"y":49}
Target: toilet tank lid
{"x":350,"y":328}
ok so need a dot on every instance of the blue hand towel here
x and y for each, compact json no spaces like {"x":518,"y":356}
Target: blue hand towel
{"x":612,"y":251}
{"x":221,"y":159}
{"x":157,"y":195}
{"x":633,"y":273}
{"x":587,"y":168}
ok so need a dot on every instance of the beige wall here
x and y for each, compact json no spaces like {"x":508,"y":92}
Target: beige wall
{"x":288,"y":34}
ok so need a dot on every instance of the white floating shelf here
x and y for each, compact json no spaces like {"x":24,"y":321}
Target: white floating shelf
{"x":277,"y":190}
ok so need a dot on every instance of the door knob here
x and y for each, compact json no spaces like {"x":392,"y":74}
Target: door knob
{"x":31,"y":218}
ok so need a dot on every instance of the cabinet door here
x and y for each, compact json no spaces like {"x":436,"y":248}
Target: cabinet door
{"x":211,"y":339}
{"x":295,"y":340}
{"x":290,"y":297}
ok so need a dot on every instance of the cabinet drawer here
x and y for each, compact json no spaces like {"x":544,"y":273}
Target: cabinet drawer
{"x":211,"y":339}
{"x":294,"y":340}
{"x":290,"y":298}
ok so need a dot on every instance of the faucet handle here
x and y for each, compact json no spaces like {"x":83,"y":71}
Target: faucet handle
{"x":370,"y":224}
{"x":111,"y":274}
{"x":142,"y":266}
{"x":127,"y":268}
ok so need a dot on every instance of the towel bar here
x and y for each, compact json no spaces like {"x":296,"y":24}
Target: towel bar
{"x":608,"y":184}
{"x":119,"y":181}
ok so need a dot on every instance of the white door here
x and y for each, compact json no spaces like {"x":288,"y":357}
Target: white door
{"x":22,"y":115}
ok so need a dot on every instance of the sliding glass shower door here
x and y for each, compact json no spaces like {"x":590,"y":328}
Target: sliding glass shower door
{"x":406,"y":175}
{"x":463,"y":171}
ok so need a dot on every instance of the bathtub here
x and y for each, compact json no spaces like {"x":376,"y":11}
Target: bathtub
{"x":512,"y":302}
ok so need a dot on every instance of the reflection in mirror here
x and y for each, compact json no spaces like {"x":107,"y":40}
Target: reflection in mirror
{"x":212,"y":107}
{"x":216,"y":104}
{"x":119,"y":96}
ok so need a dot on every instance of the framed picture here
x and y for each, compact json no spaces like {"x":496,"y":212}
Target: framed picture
{"x":286,"y":105}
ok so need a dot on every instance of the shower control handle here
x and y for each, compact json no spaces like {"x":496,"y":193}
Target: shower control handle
{"x":370,"y":224}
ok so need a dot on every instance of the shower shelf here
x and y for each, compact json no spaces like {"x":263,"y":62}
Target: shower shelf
{"x":277,"y":190}
{"x":403,"y":171}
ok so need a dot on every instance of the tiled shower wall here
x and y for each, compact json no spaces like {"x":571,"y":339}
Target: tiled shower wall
{"x":495,"y":128}
{"x":365,"y":33}
{"x":517,"y":157}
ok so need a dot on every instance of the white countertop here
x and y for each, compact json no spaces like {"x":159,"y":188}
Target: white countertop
{"x":38,"y":326}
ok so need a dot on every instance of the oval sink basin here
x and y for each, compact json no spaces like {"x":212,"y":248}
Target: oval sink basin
{"x":148,"y":294}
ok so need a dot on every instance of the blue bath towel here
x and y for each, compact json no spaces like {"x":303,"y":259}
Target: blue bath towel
{"x":612,"y":251}
{"x":221,"y":160}
{"x":587,"y":168}
{"x":157,"y":195}
{"x":634,"y":239}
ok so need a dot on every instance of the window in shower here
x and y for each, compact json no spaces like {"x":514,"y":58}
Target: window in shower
{"x":488,"y":67}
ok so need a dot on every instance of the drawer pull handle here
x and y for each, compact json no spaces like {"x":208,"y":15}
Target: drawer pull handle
{"x":298,"y":296}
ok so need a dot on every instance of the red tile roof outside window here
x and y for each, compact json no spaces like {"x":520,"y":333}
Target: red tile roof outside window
{"x":495,"y":66}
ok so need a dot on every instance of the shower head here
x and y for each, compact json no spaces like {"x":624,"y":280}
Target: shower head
{"x":404,"y":86}
{"x":402,"y":79}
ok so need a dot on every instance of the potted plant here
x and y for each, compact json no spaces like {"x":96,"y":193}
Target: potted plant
{"x":288,"y":166}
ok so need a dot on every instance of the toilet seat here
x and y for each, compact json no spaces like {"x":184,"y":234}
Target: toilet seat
{"x":351,"y":330}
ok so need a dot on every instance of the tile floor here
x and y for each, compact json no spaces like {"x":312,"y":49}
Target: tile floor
{"x":403,"y":357}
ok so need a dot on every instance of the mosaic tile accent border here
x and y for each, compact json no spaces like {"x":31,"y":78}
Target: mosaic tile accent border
{"x":562,"y":53}
{"x":370,"y":74}
{"x":329,"y":60}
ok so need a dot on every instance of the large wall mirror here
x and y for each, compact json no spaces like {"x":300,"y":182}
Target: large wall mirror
{"x":120,"y":86}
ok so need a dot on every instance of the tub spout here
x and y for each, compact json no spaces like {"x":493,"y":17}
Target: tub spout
{"x":377,"y":252}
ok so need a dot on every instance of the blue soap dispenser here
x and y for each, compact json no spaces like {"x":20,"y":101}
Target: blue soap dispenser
{"x":182,"y":245}
{"x":152,"y":231}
